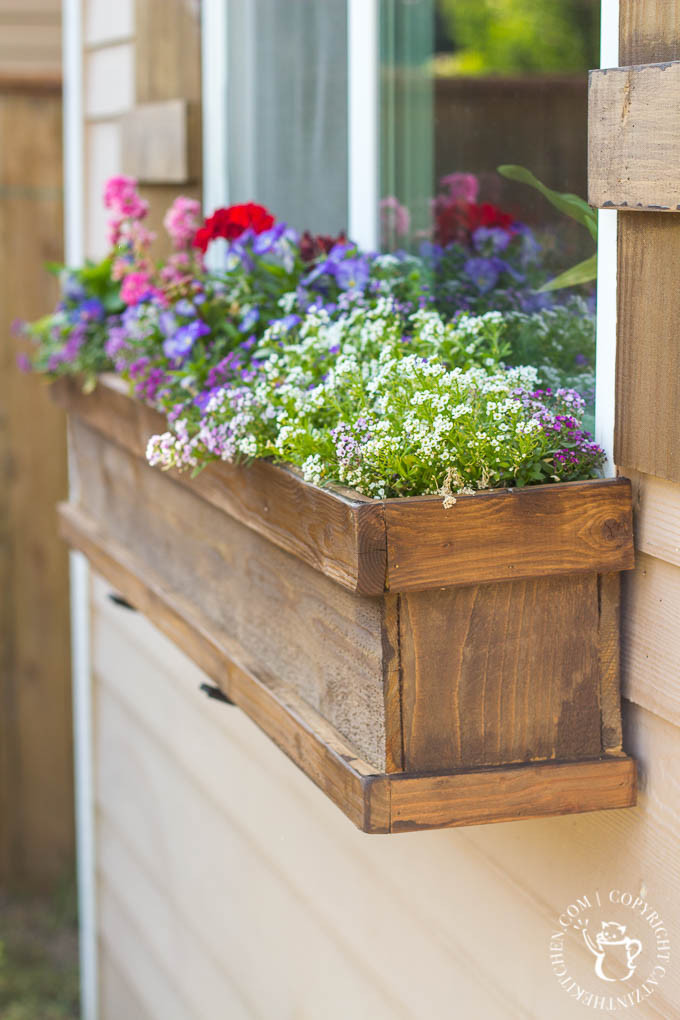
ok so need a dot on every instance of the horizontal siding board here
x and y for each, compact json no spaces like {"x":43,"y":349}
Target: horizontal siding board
{"x":311,"y":841}
{"x":419,"y":913}
{"x":117,"y":997}
{"x":219,"y":880}
{"x":202,"y":974}
{"x":651,"y":638}
{"x":124,"y":937}
{"x":656,"y":504}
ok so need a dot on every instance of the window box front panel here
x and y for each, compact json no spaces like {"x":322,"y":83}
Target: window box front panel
{"x":424,"y":666}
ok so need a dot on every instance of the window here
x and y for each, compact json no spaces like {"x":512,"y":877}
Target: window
{"x":390,"y":119}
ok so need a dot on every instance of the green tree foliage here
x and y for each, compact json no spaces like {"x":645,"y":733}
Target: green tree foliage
{"x":521,"y":36}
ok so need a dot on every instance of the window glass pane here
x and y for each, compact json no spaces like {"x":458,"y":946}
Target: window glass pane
{"x":468,"y":86}
{"x":287,"y":85}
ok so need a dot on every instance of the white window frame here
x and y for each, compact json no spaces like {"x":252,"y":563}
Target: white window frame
{"x":83,"y":749}
{"x":605,"y":351}
{"x":363,"y":112}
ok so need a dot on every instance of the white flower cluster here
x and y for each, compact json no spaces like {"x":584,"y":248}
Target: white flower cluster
{"x":385,"y":407}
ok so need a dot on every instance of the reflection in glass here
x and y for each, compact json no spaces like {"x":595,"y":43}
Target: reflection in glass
{"x":468,"y":86}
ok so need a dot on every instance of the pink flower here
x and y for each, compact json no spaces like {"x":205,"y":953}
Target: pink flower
{"x":182,"y":221}
{"x":176,"y":269}
{"x":461,"y":187}
{"x":395,"y":220}
{"x":120,"y":195}
{"x":135,"y":287}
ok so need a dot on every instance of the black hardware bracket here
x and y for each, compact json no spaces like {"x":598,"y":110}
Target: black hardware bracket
{"x":216,"y":693}
{"x":118,"y":600}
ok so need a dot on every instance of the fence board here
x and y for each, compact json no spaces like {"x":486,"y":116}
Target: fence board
{"x":36,"y":837}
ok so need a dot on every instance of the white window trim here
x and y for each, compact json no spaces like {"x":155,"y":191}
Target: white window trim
{"x":74,"y":221}
{"x":605,"y":368}
{"x":363,"y":114}
{"x":363,"y":63}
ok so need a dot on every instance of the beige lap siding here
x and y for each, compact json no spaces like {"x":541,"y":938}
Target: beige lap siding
{"x":224,"y":876}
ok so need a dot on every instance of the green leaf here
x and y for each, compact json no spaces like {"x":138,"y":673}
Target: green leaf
{"x":571,"y":205}
{"x":584,"y":272}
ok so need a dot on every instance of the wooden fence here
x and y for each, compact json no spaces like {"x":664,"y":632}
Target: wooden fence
{"x":36,"y":788}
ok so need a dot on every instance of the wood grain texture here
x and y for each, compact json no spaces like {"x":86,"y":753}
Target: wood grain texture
{"x":36,"y":770}
{"x":647,"y":432}
{"x":306,"y":737}
{"x":500,"y":673}
{"x":503,"y":795}
{"x":375,"y":802}
{"x":649,"y":31}
{"x":576,"y":527}
{"x":340,"y":536}
{"x":633,"y":138}
{"x":392,"y":684}
{"x":168,"y":50}
{"x":609,"y":667}
{"x":30,"y":38}
{"x":275,"y":615}
{"x":159,"y":142}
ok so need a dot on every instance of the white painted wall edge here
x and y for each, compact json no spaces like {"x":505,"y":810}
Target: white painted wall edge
{"x":214,"y":49}
{"x":74,"y":221}
{"x":363,"y":65}
{"x":214,"y":28}
{"x":605,"y":367}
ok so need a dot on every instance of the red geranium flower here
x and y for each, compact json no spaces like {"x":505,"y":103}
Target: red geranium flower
{"x":313,"y":245}
{"x":457,"y":220}
{"x":232,"y":222}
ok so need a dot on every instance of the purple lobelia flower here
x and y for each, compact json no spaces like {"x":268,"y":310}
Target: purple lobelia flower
{"x":180,"y":343}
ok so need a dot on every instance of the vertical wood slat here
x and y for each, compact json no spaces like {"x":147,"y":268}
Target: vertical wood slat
{"x":491,"y":673}
{"x":168,"y":66}
{"x":647,"y":432}
{"x":36,"y":790}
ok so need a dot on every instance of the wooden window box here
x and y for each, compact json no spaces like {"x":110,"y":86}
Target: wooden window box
{"x":425,"y":667}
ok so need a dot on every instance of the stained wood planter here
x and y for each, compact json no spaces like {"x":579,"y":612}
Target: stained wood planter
{"x":425,"y":667}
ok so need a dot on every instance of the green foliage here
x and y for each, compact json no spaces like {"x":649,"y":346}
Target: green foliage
{"x":396,"y":406}
{"x":522,"y":36}
{"x":574,"y":207}
{"x":38,"y":958}
{"x":582,"y":272}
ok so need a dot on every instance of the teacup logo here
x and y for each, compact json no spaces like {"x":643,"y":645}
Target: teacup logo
{"x":609,"y":949}
{"x":612,"y":946}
